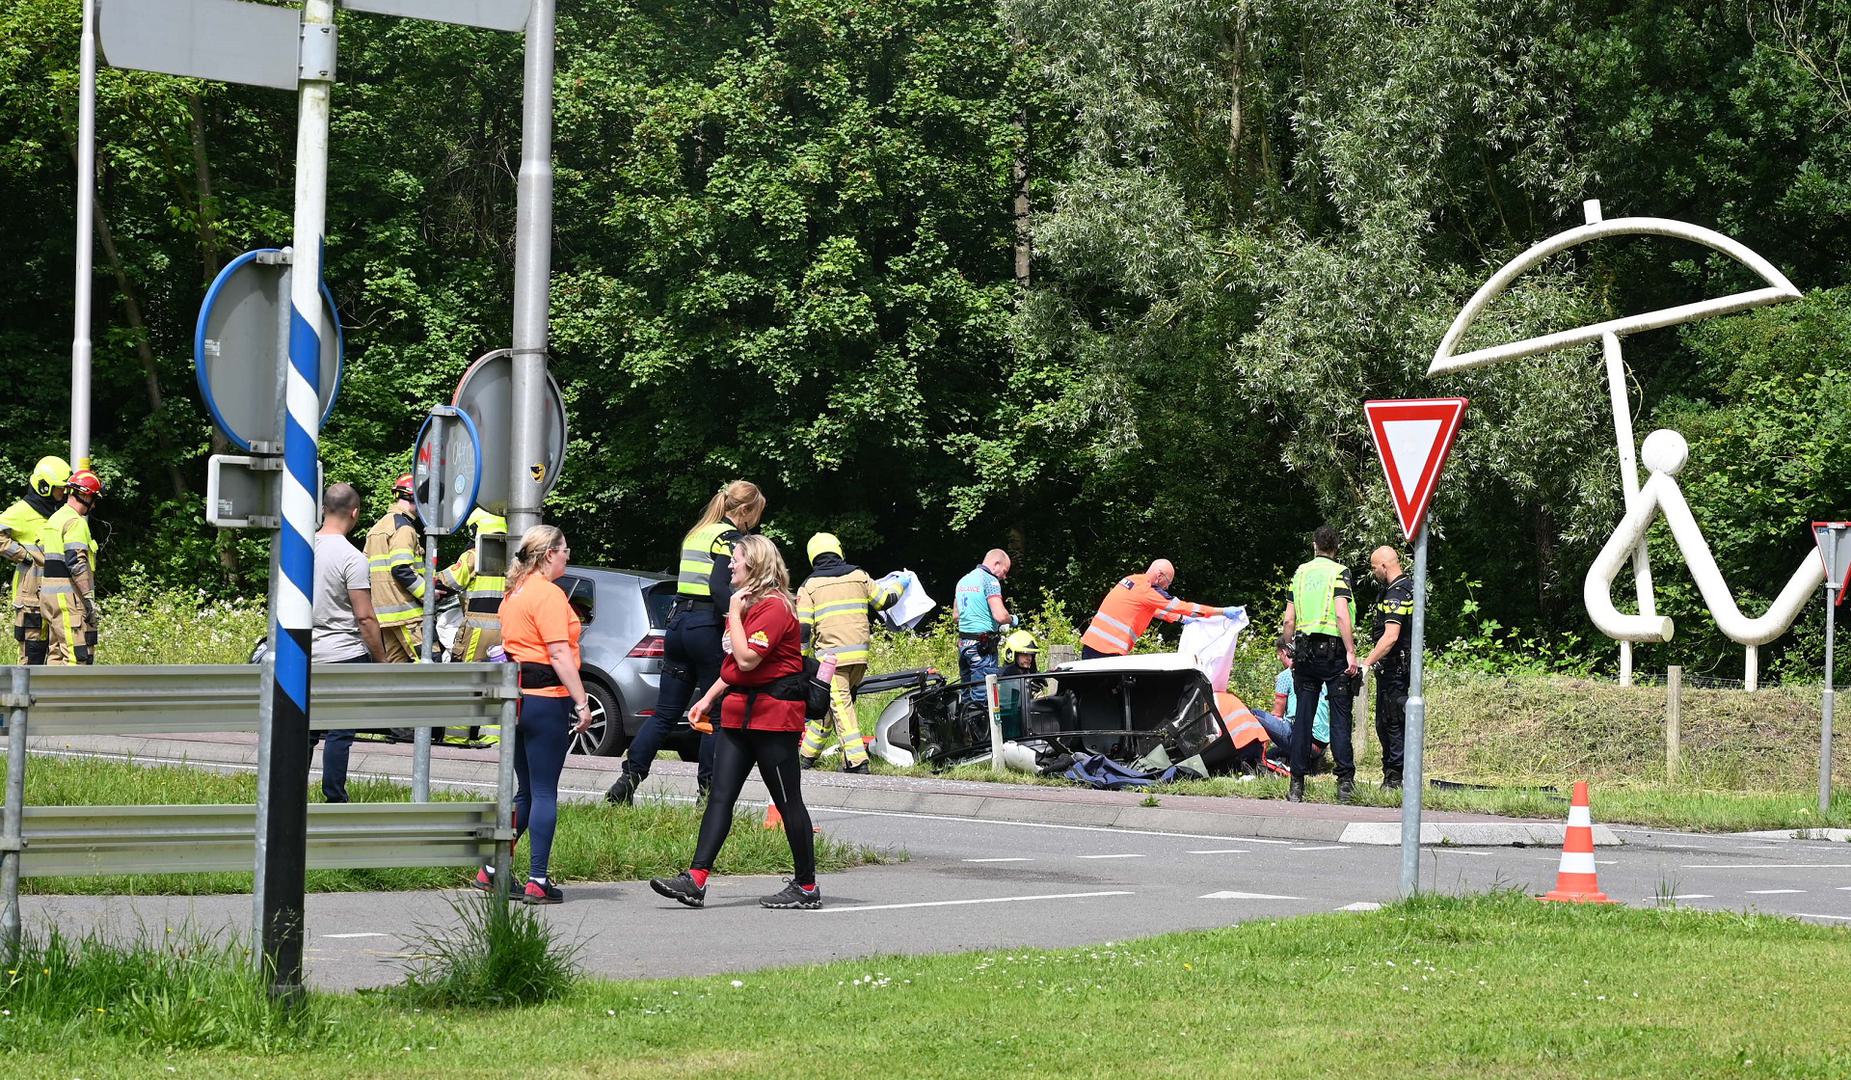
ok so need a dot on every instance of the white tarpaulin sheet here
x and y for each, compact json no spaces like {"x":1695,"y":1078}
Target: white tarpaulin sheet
{"x":912,"y":606}
{"x":1211,"y":642}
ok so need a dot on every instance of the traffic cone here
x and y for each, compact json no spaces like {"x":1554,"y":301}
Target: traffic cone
{"x":1576,"y":881}
{"x":773,"y":819}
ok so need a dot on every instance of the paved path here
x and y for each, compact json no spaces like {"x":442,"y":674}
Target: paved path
{"x":978,"y":883}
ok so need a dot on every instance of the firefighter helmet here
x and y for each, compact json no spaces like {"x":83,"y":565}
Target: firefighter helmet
{"x":405,"y":487}
{"x":484,"y":522}
{"x":86,"y":485}
{"x":50,"y":474}
{"x":824,"y":544}
{"x":1018,"y":643}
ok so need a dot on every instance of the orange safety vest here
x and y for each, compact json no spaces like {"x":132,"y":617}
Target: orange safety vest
{"x":1243,"y":727}
{"x":1127,"y":610}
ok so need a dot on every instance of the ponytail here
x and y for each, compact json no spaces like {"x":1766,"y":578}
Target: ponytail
{"x":535,"y":543}
{"x":741,"y":501}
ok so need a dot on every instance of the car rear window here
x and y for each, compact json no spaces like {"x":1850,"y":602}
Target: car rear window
{"x":658,"y":598}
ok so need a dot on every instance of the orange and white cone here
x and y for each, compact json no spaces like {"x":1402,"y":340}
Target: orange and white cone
{"x":1576,"y":880}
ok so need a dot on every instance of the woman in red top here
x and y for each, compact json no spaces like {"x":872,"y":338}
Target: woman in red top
{"x":540,"y":630}
{"x":760,"y":694}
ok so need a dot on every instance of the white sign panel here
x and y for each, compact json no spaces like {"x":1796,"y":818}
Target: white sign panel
{"x":223,"y":40}
{"x":490,"y":14}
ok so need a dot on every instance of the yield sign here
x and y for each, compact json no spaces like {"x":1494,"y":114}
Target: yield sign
{"x":1834,"y":540}
{"x":1413,"y":437}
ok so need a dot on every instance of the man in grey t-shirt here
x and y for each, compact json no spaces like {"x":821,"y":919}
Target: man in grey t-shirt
{"x":346,"y":627}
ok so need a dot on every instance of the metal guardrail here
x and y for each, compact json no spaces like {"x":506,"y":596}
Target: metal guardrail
{"x":54,"y":841}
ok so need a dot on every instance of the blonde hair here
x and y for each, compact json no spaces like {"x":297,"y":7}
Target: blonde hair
{"x":535,"y":543}
{"x":765,"y":571}
{"x":740,"y":499}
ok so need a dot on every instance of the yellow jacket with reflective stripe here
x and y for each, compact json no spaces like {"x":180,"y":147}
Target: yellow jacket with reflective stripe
{"x":698,"y":551}
{"x":21,"y":527}
{"x":1316,"y":587}
{"x":392,"y":557}
{"x":833,"y":612}
{"x":481,"y":592}
{"x":70,"y":554}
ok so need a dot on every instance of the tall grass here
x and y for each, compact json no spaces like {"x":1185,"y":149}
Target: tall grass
{"x":497,"y":955}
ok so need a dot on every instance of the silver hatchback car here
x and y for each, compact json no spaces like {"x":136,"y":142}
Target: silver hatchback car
{"x":625,"y":613}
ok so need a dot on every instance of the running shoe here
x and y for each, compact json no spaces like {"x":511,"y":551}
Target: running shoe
{"x":623,"y":792}
{"x":485,"y":879}
{"x":681,"y":889}
{"x":537,"y":893}
{"x":794,"y":896}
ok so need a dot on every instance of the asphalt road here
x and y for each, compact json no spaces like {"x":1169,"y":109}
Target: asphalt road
{"x":978,"y":885}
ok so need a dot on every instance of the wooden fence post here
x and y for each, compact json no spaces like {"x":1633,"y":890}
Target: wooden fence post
{"x":1674,"y":707}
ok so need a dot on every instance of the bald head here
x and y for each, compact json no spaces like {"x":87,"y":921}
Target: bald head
{"x":997,"y":562}
{"x":1161,"y":573}
{"x":1385,"y":563}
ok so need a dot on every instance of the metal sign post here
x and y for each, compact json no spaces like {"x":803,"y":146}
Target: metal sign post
{"x":1414,"y":438}
{"x":1834,"y":540}
{"x":86,"y":241}
{"x":446,"y":472}
{"x":529,"y":479}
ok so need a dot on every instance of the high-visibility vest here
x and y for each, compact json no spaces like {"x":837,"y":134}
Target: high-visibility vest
{"x":1315,"y":589}
{"x":481,"y":592}
{"x":834,"y":613}
{"x":699,"y":549}
{"x":1243,"y":727}
{"x":24,"y":527}
{"x":1127,"y":610}
{"x":392,"y":545}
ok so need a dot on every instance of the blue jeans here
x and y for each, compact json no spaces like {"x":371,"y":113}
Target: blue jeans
{"x":336,"y":747}
{"x":975,"y":664}
{"x":691,"y":656}
{"x":542,"y":734}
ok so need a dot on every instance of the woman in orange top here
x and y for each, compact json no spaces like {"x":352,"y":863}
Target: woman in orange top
{"x":540,"y":630}
{"x":761,"y":702}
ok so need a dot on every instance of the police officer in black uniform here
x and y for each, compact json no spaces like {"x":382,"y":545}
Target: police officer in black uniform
{"x":1389,"y":659}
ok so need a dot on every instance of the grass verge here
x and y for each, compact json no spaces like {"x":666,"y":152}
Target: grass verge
{"x":1490,"y":986}
{"x":594,"y":843}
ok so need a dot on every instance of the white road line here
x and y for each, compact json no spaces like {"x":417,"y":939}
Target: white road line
{"x":1688,"y":896}
{"x":1361,"y":905}
{"x":1129,"y":855}
{"x":1768,"y":866}
{"x":1774,"y":892}
{"x":1810,"y":915}
{"x":338,"y":936}
{"x":1219,"y":851}
{"x":1012,"y":858}
{"x":1844,"y":888}
{"x":1323,"y":847}
{"x":983,"y":900}
{"x":1230,"y":895}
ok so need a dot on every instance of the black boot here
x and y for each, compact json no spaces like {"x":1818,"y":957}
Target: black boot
{"x":623,"y":792}
{"x":1296,"y":792}
{"x":1345,"y":790}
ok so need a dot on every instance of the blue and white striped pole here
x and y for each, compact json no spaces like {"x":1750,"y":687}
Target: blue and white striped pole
{"x":285,"y":840}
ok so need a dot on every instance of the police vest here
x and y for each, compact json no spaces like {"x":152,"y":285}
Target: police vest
{"x":1315,"y":588}
{"x":699,"y":549}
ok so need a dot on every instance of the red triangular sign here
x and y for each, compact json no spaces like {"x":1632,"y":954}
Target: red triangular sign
{"x":1413,"y":436}
{"x":1835,"y":549}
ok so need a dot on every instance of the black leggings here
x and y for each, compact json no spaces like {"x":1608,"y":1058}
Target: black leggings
{"x":775,"y":753}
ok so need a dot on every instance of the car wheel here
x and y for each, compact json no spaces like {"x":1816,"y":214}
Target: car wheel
{"x":604,"y":737}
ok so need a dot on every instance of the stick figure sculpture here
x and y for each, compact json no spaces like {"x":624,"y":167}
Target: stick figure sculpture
{"x":1665,"y":453}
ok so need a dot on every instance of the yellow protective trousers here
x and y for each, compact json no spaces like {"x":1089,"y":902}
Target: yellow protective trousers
{"x":842,"y":718}
{"x":71,"y":638}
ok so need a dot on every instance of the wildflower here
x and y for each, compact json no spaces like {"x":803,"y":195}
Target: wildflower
{"x":737,"y":984}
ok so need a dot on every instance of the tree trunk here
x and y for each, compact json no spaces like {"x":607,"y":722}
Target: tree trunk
{"x":206,"y":223}
{"x":151,"y":376}
{"x":1024,"y":233}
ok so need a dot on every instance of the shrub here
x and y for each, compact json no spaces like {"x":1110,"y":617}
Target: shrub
{"x":499,"y":955}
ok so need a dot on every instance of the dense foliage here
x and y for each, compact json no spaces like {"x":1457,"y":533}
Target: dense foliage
{"x":791,"y":246}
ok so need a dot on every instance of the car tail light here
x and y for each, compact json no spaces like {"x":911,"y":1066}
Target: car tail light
{"x":650,"y":648}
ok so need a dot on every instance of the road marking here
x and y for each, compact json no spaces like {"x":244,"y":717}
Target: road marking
{"x":1768,"y":866}
{"x":1687,"y":896}
{"x":1844,"y":888}
{"x":1361,"y":905}
{"x":1012,"y":858}
{"x":337,"y":936}
{"x":1774,"y":892}
{"x":1323,"y":847}
{"x":1131,"y":855}
{"x":1220,"y":851}
{"x":984,"y":900}
{"x":1245,"y":896}
{"x":1810,"y":915}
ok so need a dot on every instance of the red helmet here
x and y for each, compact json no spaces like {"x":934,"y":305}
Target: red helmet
{"x":405,"y":487}
{"x":86,"y":484}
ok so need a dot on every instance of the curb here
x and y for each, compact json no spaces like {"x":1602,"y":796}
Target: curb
{"x":829,"y":791}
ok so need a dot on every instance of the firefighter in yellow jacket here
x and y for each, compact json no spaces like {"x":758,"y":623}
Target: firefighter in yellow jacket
{"x":834,"y":607}
{"x":67,"y":593}
{"x":481,"y":593}
{"x":20,"y":529}
{"x":392,"y":546}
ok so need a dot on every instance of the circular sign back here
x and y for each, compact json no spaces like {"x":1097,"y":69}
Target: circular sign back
{"x":241,"y":348}
{"x":486,"y":393}
{"x":446,"y":469}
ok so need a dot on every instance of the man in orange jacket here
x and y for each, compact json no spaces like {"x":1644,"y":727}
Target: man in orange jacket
{"x":1127,"y":610}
